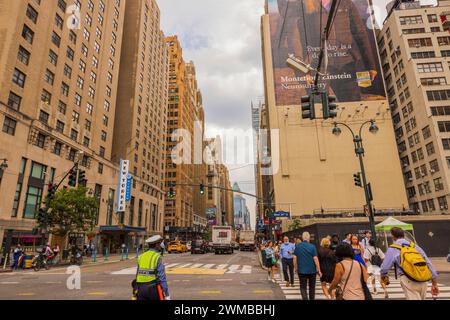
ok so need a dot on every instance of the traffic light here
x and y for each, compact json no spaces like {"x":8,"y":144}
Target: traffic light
{"x":82,"y":177}
{"x":41,"y":216}
{"x":329,"y":106}
{"x":73,"y":178}
{"x":171,"y":194}
{"x":51,"y":191}
{"x":202,"y":189}
{"x":357,"y":179}
{"x":308,"y":111}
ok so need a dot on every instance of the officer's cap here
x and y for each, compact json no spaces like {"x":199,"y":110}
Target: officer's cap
{"x":154,"y":239}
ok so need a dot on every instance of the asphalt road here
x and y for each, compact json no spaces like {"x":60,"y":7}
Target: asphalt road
{"x":191,"y":277}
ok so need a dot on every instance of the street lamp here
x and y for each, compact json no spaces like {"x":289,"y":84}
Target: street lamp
{"x":4,"y":164}
{"x":359,"y":151}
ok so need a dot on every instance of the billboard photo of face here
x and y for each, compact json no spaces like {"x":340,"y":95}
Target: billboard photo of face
{"x":352,"y":66}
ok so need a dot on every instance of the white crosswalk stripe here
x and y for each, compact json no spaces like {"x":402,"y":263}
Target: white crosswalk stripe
{"x":395,"y":290}
{"x":235,"y":268}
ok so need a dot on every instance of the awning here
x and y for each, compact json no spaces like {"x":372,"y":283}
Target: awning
{"x":121,"y":228}
{"x":391,"y":222}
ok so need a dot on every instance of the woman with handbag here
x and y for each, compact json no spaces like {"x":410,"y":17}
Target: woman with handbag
{"x":350,"y":277}
{"x":271,"y":261}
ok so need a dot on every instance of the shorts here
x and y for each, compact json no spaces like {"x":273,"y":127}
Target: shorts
{"x":374,"y":270}
{"x":269,"y":263}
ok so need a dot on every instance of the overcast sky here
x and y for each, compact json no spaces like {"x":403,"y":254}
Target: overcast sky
{"x":223,"y":39}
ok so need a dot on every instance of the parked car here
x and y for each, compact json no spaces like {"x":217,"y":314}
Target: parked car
{"x":199,"y":246}
{"x":176,"y":246}
{"x":189,"y":245}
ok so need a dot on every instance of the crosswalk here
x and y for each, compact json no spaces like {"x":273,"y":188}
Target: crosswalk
{"x":394,"y":290}
{"x":173,"y":267}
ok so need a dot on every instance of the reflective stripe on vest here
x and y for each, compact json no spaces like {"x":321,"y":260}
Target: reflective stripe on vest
{"x":147,"y":267}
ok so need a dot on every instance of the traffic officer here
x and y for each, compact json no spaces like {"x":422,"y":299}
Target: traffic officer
{"x":151,"y":281}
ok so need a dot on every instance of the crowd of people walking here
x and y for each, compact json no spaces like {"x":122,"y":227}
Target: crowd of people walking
{"x":346,"y":268}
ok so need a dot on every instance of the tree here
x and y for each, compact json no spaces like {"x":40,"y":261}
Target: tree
{"x":72,"y":210}
{"x":296,"y":224}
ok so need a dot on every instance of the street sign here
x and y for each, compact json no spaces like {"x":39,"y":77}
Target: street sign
{"x":121,"y":188}
{"x":281,"y":214}
{"x":366,"y":211}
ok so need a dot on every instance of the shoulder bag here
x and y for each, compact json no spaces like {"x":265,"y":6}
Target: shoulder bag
{"x":339,"y":290}
{"x":365,"y":288}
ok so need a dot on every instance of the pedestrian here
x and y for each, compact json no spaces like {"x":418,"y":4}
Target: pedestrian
{"x":271,"y":261}
{"x":373,"y":256}
{"x":18,"y":256}
{"x":366,"y":239}
{"x":348,"y":238}
{"x":334,"y":242}
{"x":286,"y":252}
{"x":151,"y":280}
{"x":412,"y":264}
{"x":56,"y":253}
{"x":163,"y":247}
{"x":327,"y":262}
{"x":348,"y":275}
{"x":358,"y":250}
{"x":307,"y":266}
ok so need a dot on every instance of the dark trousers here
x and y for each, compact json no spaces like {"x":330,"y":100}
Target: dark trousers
{"x":307,"y":280}
{"x":288,"y":264}
{"x":147,"y":292}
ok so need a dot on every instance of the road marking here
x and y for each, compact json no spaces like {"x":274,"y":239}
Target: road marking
{"x":53,"y":282}
{"x":197,"y":265}
{"x":26,"y":294}
{"x":184,"y":265}
{"x":262,"y":291}
{"x":93,"y":281}
{"x":222,"y":266}
{"x":193,"y":271}
{"x":131,"y":270}
{"x":211,"y":292}
{"x":6,"y":282}
{"x":97,"y":293}
{"x":171,"y":265}
{"x":246,"y":269}
{"x":208,"y":266}
{"x":224,"y":279}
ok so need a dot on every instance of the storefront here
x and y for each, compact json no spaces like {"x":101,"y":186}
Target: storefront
{"x":112,"y":238}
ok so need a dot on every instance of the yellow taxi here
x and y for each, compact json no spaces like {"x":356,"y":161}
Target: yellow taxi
{"x":177,"y":246}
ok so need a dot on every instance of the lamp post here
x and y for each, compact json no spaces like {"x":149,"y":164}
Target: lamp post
{"x":3,"y":166}
{"x":359,"y":151}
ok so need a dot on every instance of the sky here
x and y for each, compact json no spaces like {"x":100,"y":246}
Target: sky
{"x":223,"y":39}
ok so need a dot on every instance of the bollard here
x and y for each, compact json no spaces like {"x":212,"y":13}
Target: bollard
{"x":94,"y":256}
{"x":106,"y":255}
{"x":137,"y":252}
{"x":126,"y":255}
{"x":121,"y":256}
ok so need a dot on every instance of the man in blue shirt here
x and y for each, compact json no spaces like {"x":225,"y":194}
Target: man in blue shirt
{"x":287,"y":259}
{"x":307,"y":266}
{"x":413,"y":290}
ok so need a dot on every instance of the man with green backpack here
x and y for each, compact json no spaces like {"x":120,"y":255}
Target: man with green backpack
{"x":412,"y":265}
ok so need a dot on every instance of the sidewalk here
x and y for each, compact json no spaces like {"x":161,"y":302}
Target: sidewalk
{"x":87,"y":261}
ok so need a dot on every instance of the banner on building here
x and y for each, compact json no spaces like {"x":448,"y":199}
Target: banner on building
{"x":122,"y":186}
{"x":211,"y":216}
{"x":353,"y":67}
{"x":128,"y":188}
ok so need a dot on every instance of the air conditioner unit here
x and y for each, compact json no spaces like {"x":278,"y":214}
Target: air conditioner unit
{"x":410,"y":179}
{"x":432,"y":171}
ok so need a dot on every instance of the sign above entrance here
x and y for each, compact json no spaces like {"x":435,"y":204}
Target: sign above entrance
{"x":122,"y":186}
{"x":281,"y":214}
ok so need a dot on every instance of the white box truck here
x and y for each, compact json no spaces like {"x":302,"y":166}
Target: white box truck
{"x":247,"y":240}
{"x":222,"y":239}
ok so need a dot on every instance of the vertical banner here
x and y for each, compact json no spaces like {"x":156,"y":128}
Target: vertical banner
{"x":129,"y":183}
{"x":353,"y":71}
{"x":121,"y":188}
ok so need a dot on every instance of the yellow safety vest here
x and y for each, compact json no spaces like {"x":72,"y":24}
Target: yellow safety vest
{"x":147,"y":264}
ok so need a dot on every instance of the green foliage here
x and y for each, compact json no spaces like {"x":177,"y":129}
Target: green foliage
{"x":72,"y":210}
{"x":296,"y":224}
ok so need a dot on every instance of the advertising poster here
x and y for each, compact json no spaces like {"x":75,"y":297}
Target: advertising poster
{"x":353,"y":70}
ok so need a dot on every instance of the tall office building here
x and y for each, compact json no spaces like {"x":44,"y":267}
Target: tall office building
{"x":414,"y":47}
{"x":58,"y":73}
{"x":184,"y":110}
{"x":141,"y":114}
{"x":312,"y":168}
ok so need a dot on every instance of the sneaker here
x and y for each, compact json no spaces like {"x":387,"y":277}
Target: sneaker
{"x":269,"y":278}
{"x":273,"y":280}
{"x":292,"y":285}
{"x":386,"y":295}
{"x":287,"y":284}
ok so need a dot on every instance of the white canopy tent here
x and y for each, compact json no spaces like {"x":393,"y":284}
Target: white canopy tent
{"x":383,"y":230}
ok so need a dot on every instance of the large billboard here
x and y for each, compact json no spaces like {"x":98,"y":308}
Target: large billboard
{"x":353,"y":68}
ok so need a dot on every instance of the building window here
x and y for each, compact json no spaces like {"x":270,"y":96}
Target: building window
{"x":438,"y":95}
{"x":9,"y":126}
{"x":46,"y":96}
{"x":75,"y":117}
{"x":72,"y":37}
{"x":59,"y":21}
{"x":32,"y":202}
{"x":23,"y":56}
{"x":73,"y":134}
{"x":77,"y":99}
{"x":105,"y":120}
{"x":429,"y":67}
{"x":436,"y":81}
{"x":32,"y":14}
{"x":86,"y":141}
{"x":28,"y":34}
{"x":56,"y":39}
{"x":60,"y":126}
{"x":57,"y":148}
{"x":432,"y":18}
{"x":72,"y":154}
{"x":444,"y":126}
{"x":82,"y":66}
{"x":411,"y":20}
{"x":43,"y":117}
{"x":423,"y":55}
{"x":40,"y":140}
{"x":87,"y":125}
{"x":49,"y":77}
{"x":102,"y":152}
{"x":89,"y":108}
{"x":62,"y":5}
{"x":64,"y":89}
{"x":53,"y":58}
{"x":434,"y":166}
{"x":19,"y":78}
{"x":67,"y":71}
{"x":62,"y":107}
{"x":14,"y":101}
{"x":70,"y":53}
{"x":438,"y":185}
{"x":100,"y":168}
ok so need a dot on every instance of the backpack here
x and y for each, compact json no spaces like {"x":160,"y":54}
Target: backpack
{"x":412,"y":263}
{"x":375,"y":258}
